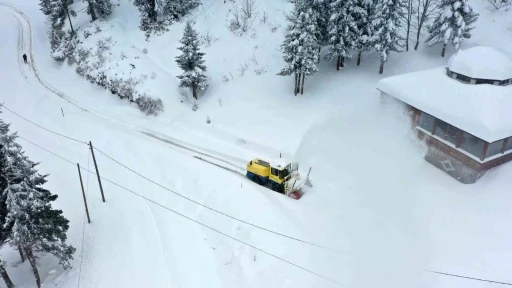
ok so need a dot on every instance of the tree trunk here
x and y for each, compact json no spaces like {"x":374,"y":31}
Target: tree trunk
{"x":152,"y":15}
{"x":5,"y":276}
{"x":444,"y":50}
{"x":381,"y":69}
{"x":92,"y":12}
{"x":338,"y":63}
{"x":32,"y":261}
{"x":70,"y":24}
{"x":302,"y":84}
{"x":342,"y":62}
{"x":319,"y":50}
{"x":194,"y":92}
{"x":409,"y":20}
{"x":407,"y":37}
{"x":21,"y":254}
{"x":295,"y":89}
{"x":359,"y":57}
{"x":417,"y":43}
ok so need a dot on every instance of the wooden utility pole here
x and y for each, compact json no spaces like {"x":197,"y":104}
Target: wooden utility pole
{"x":83,"y":193}
{"x":97,"y":171}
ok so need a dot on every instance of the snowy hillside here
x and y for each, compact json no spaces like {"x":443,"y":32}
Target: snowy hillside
{"x":389,"y":215}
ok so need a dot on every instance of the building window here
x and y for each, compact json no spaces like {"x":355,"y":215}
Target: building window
{"x":452,"y":134}
{"x":494,"y":148}
{"x":484,"y":81}
{"x":472,"y":144}
{"x":509,"y":144}
{"x":441,"y":128}
{"x":463,"y":78}
{"x":426,"y":121}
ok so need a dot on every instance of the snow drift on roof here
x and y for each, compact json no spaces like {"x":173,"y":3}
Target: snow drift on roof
{"x":481,"y":62}
{"x":481,"y":110}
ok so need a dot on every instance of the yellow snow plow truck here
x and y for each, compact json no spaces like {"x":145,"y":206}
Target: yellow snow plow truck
{"x":278,"y":177}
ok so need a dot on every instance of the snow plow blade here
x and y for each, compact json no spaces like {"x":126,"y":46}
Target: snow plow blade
{"x":295,"y":194}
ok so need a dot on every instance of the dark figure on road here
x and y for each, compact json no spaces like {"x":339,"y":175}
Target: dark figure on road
{"x":25,"y":58}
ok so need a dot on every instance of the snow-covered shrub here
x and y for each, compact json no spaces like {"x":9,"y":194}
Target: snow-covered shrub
{"x":149,"y":105}
{"x":264,"y":18}
{"x":495,"y":5}
{"x":153,"y":75}
{"x":225,"y":79}
{"x":208,"y":38}
{"x":208,"y":120}
{"x":56,"y":43}
{"x":126,"y":88}
{"x":101,"y":80}
{"x":70,"y":48}
{"x":242,"y":69}
{"x":242,"y":19}
{"x":195,"y":107}
{"x":248,"y":8}
{"x":260,"y":71}
{"x":145,"y":51}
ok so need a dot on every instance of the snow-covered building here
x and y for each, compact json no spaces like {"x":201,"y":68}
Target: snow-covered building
{"x":463,"y":110}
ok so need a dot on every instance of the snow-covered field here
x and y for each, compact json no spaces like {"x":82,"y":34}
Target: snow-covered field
{"x":391,"y":214}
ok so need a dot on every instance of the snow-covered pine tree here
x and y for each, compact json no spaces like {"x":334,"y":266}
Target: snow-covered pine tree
{"x":103,"y":8}
{"x":300,"y":46}
{"x":148,"y":13}
{"x":362,"y":13}
{"x":34,"y":225}
{"x":58,"y":11}
{"x":386,"y":23}
{"x":91,"y":10}
{"x":45,"y":6}
{"x":6,"y":145}
{"x":174,"y":10}
{"x":343,"y":31}
{"x":322,"y":12}
{"x":191,"y":62}
{"x":454,"y":24}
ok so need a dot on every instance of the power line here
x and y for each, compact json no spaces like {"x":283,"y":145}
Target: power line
{"x":46,"y":150}
{"x":220,"y":212}
{"x":193,"y":220}
{"x":178,"y":194}
{"x":245,"y":243}
{"x":469,"y":278}
{"x":67,"y":137}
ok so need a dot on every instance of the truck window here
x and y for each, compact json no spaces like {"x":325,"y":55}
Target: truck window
{"x":274,"y":171}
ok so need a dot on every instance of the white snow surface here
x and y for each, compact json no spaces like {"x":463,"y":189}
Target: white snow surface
{"x":481,"y":62}
{"x":373,"y":196}
{"x":481,"y":110}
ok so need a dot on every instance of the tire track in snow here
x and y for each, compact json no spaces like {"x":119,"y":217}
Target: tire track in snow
{"x":178,"y":145}
{"x":147,"y":132}
{"x":141,"y":189}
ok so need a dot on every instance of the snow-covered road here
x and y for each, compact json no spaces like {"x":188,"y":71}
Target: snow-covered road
{"x":384,"y":204}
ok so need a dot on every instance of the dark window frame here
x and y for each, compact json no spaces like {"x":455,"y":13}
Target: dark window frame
{"x":477,"y":81}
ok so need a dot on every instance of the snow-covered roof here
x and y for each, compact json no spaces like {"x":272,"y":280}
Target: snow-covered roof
{"x":482,"y":110}
{"x":481,"y":62}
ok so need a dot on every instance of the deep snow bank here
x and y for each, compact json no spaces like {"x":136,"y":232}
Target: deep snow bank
{"x":366,"y":164}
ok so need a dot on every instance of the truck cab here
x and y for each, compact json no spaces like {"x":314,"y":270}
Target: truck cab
{"x":273,"y":176}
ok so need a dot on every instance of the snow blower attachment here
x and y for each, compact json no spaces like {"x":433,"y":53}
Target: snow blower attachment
{"x":281,"y":178}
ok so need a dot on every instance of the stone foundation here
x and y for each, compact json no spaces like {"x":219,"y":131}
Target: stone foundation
{"x":452,"y":166}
